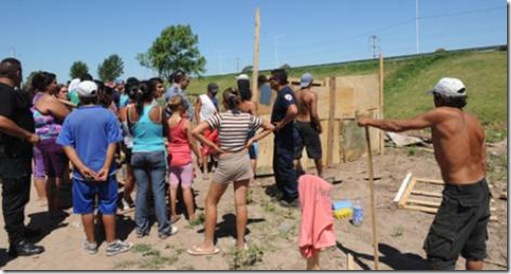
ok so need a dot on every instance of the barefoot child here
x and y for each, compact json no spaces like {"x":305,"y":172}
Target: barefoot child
{"x":89,"y":137}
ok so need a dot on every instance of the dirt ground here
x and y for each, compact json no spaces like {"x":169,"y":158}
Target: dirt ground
{"x":273,"y":230}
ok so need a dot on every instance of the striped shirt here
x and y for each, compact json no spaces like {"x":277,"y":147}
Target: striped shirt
{"x":233,"y":129}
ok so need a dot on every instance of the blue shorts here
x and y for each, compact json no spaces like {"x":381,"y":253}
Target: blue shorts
{"x":85,"y":193}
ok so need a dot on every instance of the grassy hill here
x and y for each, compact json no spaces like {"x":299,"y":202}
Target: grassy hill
{"x":406,"y":80}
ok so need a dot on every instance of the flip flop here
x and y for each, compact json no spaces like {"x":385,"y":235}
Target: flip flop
{"x":174,"y":219}
{"x":198,"y":251}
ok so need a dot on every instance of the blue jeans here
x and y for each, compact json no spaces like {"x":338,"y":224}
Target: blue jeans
{"x":152,"y":164}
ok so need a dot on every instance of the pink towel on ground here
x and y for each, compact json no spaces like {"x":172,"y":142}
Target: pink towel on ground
{"x":316,"y":224}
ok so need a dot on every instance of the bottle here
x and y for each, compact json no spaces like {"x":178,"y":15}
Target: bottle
{"x":358,"y":213}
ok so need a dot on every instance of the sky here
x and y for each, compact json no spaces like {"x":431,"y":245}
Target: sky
{"x":51,"y":35}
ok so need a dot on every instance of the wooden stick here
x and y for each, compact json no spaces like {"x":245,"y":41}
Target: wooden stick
{"x":350,"y":264}
{"x":427,"y":193}
{"x":424,"y":203}
{"x":433,"y":181}
{"x":255,"y":67}
{"x":402,"y":188}
{"x":373,"y":203}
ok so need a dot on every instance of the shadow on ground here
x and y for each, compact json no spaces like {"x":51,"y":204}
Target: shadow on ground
{"x":390,"y":256}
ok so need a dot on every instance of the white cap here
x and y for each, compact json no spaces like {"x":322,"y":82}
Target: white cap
{"x":451,"y":87}
{"x":73,"y":84}
{"x":243,"y":77}
{"x":306,"y":80}
{"x":87,"y":89}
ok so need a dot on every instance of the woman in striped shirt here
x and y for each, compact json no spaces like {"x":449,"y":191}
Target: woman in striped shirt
{"x":233,"y":165}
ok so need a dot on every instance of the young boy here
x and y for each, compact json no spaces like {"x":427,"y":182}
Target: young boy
{"x":89,"y":137}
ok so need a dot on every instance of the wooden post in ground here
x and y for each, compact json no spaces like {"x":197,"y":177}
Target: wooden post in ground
{"x":373,"y":202}
{"x":331,"y":122}
{"x":255,"y":69}
{"x":381,"y":141}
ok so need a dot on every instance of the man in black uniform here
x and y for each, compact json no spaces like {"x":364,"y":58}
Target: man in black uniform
{"x":282,"y":116}
{"x":16,"y":141}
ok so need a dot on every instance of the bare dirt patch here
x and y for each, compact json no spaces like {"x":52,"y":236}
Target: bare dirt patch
{"x":273,"y":230}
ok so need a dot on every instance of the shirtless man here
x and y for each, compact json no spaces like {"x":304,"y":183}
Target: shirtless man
{"x":460,"y":225}
{"x":308,"y":125}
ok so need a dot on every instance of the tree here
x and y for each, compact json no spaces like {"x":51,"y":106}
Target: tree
{"x":285,"y":66}
{"x":111,"y":68}
{"x":175,"y":49}
{"x":247,"y":69}
{"x":78,"y":70}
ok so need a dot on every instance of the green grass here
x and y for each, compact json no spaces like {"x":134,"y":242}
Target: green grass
{"x":484,"y":74}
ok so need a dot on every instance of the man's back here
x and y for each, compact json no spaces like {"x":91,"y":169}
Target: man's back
{"x":304,"y":98}
{"x":459,"y":145}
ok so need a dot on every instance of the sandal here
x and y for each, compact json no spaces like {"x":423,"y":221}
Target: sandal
{"x":174,"y":219}
{"x":198,"y":251}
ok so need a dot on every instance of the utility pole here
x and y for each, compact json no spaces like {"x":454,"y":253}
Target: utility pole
{"x":277,"y":37}
{"x":375,"y":45}
{"x":237,"y":64}
{"x":417,"y":24}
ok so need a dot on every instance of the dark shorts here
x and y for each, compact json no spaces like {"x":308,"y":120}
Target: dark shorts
{"x":54,"y":159}
{"x":308,"y":136}
{"x":460,"y":225}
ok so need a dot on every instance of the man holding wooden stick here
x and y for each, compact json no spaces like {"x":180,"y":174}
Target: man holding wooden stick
{"x":460,"y":225}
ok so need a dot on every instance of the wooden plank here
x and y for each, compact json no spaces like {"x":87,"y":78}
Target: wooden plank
{"x":421,"y":208}
{"x":424,"y":203}
{"x":407,"y":193}
{"x":427,"y":193}
{"x":255,"y":70}
{"x":402,"y":188}
{"x":433,"y":181}
{"x":331,"y":116}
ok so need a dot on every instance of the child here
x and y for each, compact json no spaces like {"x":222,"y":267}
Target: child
{"x":181,"y":167}
{"x":89,"y":137}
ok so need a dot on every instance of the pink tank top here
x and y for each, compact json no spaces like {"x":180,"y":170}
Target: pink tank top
{"x":179,"y":148}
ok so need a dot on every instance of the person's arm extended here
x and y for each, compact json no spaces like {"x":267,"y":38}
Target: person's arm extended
{"x":198,"y":105}
{"x":8,"y":127}
{"x":51,"y":105}
{"x":292,"y":110}
{"x":197,"y":133}
{"x":110,"y":153}
{"x":78,"y":164}
{"x":191,"y":141}
{"x":267,"y":129}
{"x":421,"y":121}
{"x":314,"y":112}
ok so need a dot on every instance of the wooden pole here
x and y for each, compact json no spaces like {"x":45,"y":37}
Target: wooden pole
{"x":373,"y":203}
{"x":255,"y":69}
{"x":381,"y":142}
{"x":331,"y":121}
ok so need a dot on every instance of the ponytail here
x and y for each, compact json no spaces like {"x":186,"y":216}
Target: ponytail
{"x":143,"y":94}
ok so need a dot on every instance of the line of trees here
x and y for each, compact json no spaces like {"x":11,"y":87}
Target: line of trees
{"x":175,"y":49}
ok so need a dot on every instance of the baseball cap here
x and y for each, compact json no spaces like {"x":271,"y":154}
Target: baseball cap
{"x":87,"y":89}
{"x":451,"y":87}
{"x":73,"y":84}
{"x":213,"y":87}
{"x":243,"y":77}
{"x":306,"y":80}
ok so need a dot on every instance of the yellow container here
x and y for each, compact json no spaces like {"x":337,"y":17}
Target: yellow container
{"x":343,"y":213}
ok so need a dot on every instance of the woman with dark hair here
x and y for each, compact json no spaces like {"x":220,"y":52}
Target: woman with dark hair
{"x":48,"y":115}
{"x":248,"y":106}
{"x":145,"y":121}
{"x":132,"y":86}
{"x":106,"y":97}
{"x":233,"y":166}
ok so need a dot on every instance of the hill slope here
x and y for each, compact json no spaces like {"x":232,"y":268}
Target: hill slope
{"x":484,"y":74}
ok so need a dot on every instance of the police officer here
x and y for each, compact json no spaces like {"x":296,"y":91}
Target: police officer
{"x":282,"y":116}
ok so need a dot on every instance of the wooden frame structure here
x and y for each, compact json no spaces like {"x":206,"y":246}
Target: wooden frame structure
{"x":409,"y":198}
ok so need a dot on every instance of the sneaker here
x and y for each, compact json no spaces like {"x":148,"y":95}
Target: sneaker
{"x":91,"y":248}
{"x":173,"y":230}
{"x":117,"y":247}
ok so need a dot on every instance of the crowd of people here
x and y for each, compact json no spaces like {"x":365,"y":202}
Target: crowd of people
{"x":94,"y":127}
